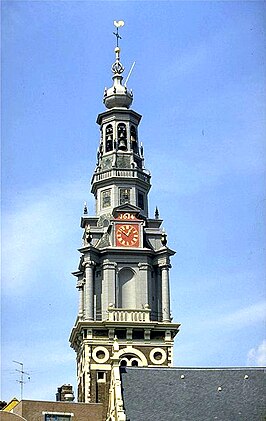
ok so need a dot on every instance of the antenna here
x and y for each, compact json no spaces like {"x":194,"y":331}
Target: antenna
{"x":129,"y":73}
{"x":21,"y":381}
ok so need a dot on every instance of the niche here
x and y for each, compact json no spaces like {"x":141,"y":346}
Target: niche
{"x":122,"y":137}
{"x":126,"y":289}
{"x":109,"y":138}
{"x":133,"y":139}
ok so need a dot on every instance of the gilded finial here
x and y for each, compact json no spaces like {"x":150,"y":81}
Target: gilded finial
{"x":85,"y":208}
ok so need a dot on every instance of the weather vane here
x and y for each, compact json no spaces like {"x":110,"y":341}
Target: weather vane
{"x":118,"y":24}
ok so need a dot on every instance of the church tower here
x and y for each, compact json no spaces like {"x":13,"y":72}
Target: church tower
{"x":123,"y":274}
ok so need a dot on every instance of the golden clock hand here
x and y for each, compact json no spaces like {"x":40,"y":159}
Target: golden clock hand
{"x":130,"y":230}
{"x":122,"y":229}
{"x":127,"y":231}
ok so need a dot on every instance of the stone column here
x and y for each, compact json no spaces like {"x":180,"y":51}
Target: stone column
{"x":80,"y":286}
{"x":108,"y":287}
{"x":89,"y":295}
{"x":165,"y":293}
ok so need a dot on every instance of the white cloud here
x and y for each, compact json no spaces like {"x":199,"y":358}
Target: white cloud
{"x":245,"y":316}
{"x":239,"y":319}
{"x":35,"y":228}
{"x":257,"y":356}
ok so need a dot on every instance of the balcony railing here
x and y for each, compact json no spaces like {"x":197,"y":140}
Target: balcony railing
{"x":133,"y":173}
{"x":128,"y":315}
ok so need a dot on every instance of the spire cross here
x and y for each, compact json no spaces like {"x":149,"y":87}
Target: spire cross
{"x":118,"y":24}
{"x":117,"y":36}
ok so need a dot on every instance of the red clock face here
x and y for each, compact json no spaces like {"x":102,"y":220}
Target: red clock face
{"x":127,"y":235}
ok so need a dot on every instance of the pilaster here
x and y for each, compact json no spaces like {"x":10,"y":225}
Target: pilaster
{"x":108,"y":286}
{"x":80,"y":287}
{"x":165,"y":292}
{"x":144,"y":286}
{"x":89,"y":294}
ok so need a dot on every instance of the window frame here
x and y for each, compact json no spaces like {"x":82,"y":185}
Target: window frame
{"x":53,"y":416}
{"x":108,"y":193}
{"x":123,"y":189}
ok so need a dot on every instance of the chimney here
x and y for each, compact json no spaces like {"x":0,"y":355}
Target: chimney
{"x":65,"y":393}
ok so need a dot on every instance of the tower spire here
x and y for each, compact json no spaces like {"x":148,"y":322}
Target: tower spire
{"x":123,"y":273}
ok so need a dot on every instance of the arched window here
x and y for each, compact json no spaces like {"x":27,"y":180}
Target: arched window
{"x":130,"y":361}
{"x":109,"y":137}
{"x":122,"y":136}
{"x":133,"y":139}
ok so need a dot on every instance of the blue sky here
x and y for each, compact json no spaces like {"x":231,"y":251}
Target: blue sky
{"x":199,"y":82}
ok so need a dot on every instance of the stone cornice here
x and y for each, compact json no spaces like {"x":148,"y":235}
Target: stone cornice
{"x":77,"y":273}
{"x":125,"y":251}
{"x":92,"y":220}
{"x":165,"y":251}
{"x":89,"y":248}
{"x":116,"y":111}
{"x":89,"y":324}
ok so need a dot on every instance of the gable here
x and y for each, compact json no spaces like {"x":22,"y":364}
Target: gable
{"x":126,"y":208}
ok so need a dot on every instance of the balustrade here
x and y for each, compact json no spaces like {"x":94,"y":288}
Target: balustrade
{"x":128,"y":315}
{"x":125,"y":173}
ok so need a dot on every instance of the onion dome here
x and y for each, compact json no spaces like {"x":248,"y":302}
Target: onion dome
{"x":118,"y":95}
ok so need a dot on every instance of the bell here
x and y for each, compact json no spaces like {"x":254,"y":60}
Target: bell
{"x":122,"y":145}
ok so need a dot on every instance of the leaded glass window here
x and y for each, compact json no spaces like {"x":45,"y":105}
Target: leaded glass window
{"x":140,"y":200}
{"x":106,"y":198}
{"x":124,"y":196}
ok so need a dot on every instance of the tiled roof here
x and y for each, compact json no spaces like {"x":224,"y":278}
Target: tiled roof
{"x":188,"y":394}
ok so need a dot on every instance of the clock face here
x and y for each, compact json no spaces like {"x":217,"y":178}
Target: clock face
{"x":127,"y":235}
